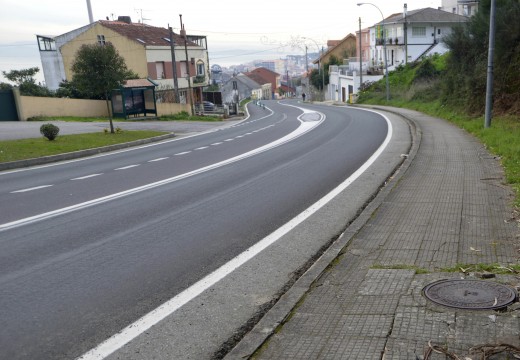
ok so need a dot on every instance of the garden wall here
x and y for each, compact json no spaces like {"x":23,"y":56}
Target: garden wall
{"x":29,"y":106}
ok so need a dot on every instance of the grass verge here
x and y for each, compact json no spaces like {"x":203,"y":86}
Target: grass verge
{"x":13,"y":150}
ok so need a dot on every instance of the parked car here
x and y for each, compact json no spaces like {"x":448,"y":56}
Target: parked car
{"x":206,"y":105}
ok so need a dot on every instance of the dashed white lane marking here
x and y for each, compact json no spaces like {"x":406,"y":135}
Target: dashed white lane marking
{"x":217,"y":143}
{"x":228,"y":140}
{"x":183,"y":153}
{"x":31,"y":189}
{"x":202,"y":148}
{"x":127,"y":167}
{"x":158,"y":159}
{"x":87,"y":176}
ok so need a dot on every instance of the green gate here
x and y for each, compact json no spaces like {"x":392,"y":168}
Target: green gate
{"x":7,"y":106}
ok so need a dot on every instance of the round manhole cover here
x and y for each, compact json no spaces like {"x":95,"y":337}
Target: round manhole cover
{"x":470,"y":294}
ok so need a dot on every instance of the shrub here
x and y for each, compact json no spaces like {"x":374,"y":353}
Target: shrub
{"x":50,"y":131}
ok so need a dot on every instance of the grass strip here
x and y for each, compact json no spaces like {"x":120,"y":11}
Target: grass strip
{"x":22,"y":149}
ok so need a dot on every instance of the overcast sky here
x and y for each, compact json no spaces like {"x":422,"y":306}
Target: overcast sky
{"x":232,"y":27}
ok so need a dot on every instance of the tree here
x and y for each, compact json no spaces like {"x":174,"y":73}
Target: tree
{"x":465,"y":80}
{"x":24,"y":79}
{"x":21,"y":76}
{"x":97,"y":70}
{"x":317,"y":79}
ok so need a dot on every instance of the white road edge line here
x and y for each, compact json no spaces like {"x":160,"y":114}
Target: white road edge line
{"x":86,"y":177}
{"x":30,"y":189}
{"x":133,"y":330}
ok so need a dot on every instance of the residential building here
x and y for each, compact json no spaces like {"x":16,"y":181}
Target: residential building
{"x":146,"y":50}
{"x":409,"y":36}
{"x":342,"y":49}
{"x":241,"y":87}
{"x":265,"y":76}
{"x":277,"y":66}
{"x":460,"y":7}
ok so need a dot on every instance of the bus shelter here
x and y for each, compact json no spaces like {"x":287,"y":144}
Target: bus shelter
{"x":136,"y":98}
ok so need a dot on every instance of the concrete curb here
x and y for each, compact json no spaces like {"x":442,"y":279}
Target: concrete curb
{"x":281,"y":311}
{"x":81,"y":153}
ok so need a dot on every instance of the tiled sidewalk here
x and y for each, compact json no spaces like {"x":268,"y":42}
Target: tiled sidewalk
{"x":450,"y":207}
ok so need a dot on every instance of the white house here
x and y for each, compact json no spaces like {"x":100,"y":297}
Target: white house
{"x":409,"y":36}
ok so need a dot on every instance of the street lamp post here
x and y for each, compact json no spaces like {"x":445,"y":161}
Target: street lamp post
{"x":384,"y":48}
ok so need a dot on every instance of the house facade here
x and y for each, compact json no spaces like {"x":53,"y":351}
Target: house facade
{"x":341,"y":49}
{"x":240,"y":87}
{"x":146,"y":50}
{"x":410,"y":35}
{"x":265,"y":76}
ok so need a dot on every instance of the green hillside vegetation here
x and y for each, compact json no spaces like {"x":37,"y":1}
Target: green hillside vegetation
{"x":453,"y":86}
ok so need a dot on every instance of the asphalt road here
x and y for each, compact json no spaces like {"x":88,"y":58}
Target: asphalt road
{"x":88,"y":247}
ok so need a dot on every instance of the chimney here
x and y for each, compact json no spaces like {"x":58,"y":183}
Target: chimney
{"x":405,"y":10}
{"x":125,"y":19}
{"x":183,"y":32}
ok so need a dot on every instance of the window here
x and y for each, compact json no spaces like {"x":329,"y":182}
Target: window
{"x":159,"y":67}
{"x":184,"y":69}
{"x":46,"y":44}
{"x":200,"y":68}
{"x":101,"y":39}
{"x":418,"y":31}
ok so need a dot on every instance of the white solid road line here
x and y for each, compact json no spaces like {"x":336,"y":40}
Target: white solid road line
{"x":135,"y":329}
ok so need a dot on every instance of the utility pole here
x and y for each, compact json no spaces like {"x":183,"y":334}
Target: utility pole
{"x":384,"y":48}
{"x":323,"y":75}
{"x":491,"y":54}
{"x":360,"y":58}
{"x":183,"y":34}
{"x":174,"y":67}
{"x":89,"y":9}
{"x":308,"y":77}
{"x":405,"y":34}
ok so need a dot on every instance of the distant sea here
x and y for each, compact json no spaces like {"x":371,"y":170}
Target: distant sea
{"x":25,"y":55}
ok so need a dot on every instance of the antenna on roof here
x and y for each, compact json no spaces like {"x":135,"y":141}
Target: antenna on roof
{"x":140,"y":12}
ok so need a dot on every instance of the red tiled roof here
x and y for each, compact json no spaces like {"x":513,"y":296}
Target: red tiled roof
{"x":138,"y":83}
{"x":144,"y":34}
{"x":257,"y":78}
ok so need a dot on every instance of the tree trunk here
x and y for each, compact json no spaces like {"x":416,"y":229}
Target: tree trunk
{"x":109,"y":114}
